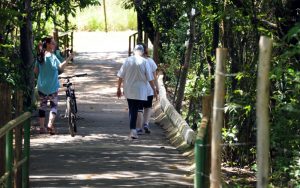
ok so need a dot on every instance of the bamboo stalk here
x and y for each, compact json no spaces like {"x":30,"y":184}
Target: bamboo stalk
{"x":262,"y":112}
{"x":202,"y":162}
{"x":218,"y":119}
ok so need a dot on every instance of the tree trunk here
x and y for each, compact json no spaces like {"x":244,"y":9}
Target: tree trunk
{"x":228,"y":43}
{"x":5,"y":116}
{"x":66,"y":37}
{"x":185,"y":68}
{"x":215,"y":43}
{"x":26,"y":48}
{"x":139,"y":12}
{"x":139,"y":28}
{"x":147,"y":26}
{"x":156,"y":48}
{"x":105,"y":17}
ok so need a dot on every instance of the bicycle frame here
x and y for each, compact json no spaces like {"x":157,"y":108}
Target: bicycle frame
{"x":71,"y":109}
{"x":70,"y":92}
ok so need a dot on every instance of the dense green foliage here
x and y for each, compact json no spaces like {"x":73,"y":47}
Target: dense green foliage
{"x":8,"y":53}
{"x":236,"y":25}
{"x":29,"y":21}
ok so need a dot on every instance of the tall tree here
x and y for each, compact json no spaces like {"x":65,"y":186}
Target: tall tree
{"x":26,"y":49}
{"x":138,"y":4}
{"x":187,"y":60}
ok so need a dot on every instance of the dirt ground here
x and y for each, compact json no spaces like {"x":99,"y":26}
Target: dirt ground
{"x":101,"y":154}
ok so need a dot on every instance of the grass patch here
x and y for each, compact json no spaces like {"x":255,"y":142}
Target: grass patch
{"x":118,"y":19}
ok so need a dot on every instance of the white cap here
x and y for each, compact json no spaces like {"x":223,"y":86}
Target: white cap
{"x":139,"y":48}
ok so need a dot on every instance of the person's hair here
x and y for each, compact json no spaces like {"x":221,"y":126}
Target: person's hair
{"x":145,"y":49}
{"x":138,"y":50}
{"x":41,"y":48}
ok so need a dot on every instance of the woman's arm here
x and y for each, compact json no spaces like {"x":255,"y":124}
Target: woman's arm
{"x":155,"y":91}
{"x":119,"y":93}
{"x":36,"y":70}
{"x":156,"y":82}
{"x":63,"y":64}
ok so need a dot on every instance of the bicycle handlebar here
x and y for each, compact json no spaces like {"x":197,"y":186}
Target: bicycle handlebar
{"x":72,"y":76}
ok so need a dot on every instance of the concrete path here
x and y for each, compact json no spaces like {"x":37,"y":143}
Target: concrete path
{"x":101,"y":154}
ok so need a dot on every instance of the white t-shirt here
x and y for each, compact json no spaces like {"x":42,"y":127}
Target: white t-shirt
{"x":136,"y":74}
{"x":153,"y":68}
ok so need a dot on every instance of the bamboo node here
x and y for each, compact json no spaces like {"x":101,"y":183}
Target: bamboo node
{"x":218,"y":108}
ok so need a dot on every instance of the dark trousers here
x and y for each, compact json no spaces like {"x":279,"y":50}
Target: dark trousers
{"x":133,"y":106}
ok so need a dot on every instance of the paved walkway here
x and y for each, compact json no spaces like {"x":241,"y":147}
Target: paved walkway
{"x":101,"y":154}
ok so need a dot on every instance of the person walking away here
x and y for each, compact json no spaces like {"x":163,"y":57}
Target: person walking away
{"x":135,"y":74}
{"x":47,"y":67}
{"x":143,"y":122}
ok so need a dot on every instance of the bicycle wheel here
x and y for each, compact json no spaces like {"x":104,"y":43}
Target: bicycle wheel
{"x":71,"y":116}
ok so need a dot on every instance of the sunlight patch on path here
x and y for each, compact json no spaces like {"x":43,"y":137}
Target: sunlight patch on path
{"x":94,"y":57}
{"x":66,"y":138}
{"x":89,"y":176}
{"x":101,"y":41}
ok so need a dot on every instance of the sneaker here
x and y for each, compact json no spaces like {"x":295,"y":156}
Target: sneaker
{"x":147,"y":128}
{"x":139,"y":131}
{"x":133,"y":134}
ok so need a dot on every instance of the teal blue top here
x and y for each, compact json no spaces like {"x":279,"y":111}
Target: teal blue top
{"x":47,"y":82}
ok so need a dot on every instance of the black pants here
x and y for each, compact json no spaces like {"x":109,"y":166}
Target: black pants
{"x":134,"y":106}
{"x":148,"y":103}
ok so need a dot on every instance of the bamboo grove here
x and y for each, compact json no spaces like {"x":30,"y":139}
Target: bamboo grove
{"x":188,"y":33}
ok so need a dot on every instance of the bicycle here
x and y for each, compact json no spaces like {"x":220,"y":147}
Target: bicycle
{"x":71,"y":104}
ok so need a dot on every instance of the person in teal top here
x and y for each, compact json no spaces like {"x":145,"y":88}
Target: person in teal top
{"x":48,"y":74}
{"x":47,"y":67}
